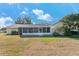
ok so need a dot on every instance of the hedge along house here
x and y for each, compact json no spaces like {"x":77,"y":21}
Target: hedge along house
{"x":30,"y":29}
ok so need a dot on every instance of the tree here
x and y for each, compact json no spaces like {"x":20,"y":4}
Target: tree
{"x":58,"y":29}
{"x":70,"y":23}
{"x":23,"y":20}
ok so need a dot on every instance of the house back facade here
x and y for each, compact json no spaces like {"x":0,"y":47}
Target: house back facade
{"x":30,"y":29}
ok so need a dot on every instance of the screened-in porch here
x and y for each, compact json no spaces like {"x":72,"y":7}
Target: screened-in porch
{"x":35,"y":31}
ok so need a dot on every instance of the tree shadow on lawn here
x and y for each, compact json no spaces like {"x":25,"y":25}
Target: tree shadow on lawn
{"x":74,"y":37}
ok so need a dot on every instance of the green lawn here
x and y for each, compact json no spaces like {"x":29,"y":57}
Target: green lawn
{"x":15,"y":45}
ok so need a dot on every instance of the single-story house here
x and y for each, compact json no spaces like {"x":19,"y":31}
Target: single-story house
{"x":30,"y":29}
{"x":3,"y":30}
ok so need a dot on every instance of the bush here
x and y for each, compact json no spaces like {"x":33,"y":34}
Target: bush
{"x":56,"y":34}
{"x":14,"y":33}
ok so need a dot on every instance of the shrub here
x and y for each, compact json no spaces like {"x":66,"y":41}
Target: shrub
{"x":56,"y":34}
{"x":14,"y":33}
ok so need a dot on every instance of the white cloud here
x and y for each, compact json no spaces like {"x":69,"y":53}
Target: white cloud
{"x":3,"y":21}
{"x":23,"y":12}
{"x":45,"y":17}
{"x":26,"y":9}
{"x":38,"y":12}
{"x":34,"y":23}
{"x":10,"y":4}
{"x":40,"y":15}
{"x":15,"y":4}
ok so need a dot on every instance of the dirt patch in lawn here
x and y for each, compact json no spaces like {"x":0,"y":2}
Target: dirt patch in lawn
{"x":38,"y":46}
{"x":60,"y":47}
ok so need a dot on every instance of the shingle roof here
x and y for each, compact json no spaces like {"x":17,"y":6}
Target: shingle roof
{"x":27,"y":25}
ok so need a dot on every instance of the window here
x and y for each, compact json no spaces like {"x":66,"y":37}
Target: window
{"x":30,"y":30}
{"x":25,"y":30}
{"x":44,"y":30}
{"x":35,"y":30}
{"x":48,"y":29}
{"x":40,"y":30}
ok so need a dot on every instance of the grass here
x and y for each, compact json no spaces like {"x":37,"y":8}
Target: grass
{"x":15,"y":45}
{"x":47,"y":39}
{"x":12,"y":45}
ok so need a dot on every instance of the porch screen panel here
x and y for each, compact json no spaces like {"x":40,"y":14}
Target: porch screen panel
{"x":41,"y":30}
{"x":30,"y":30}
{"x":44,"y":30}
{"x":25,"y":30}
{"x":48,"y":29}
{"x":35,"y":30}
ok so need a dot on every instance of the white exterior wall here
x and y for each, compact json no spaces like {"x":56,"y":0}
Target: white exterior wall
{"x":40,"y":34}
{"x":51,"y":30}
{"x":9,"y":31}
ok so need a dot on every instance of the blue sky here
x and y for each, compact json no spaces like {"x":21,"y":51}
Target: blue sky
{"x":39,"y":12}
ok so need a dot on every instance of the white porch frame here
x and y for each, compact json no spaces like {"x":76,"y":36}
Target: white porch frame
{"x":38,"y":33}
